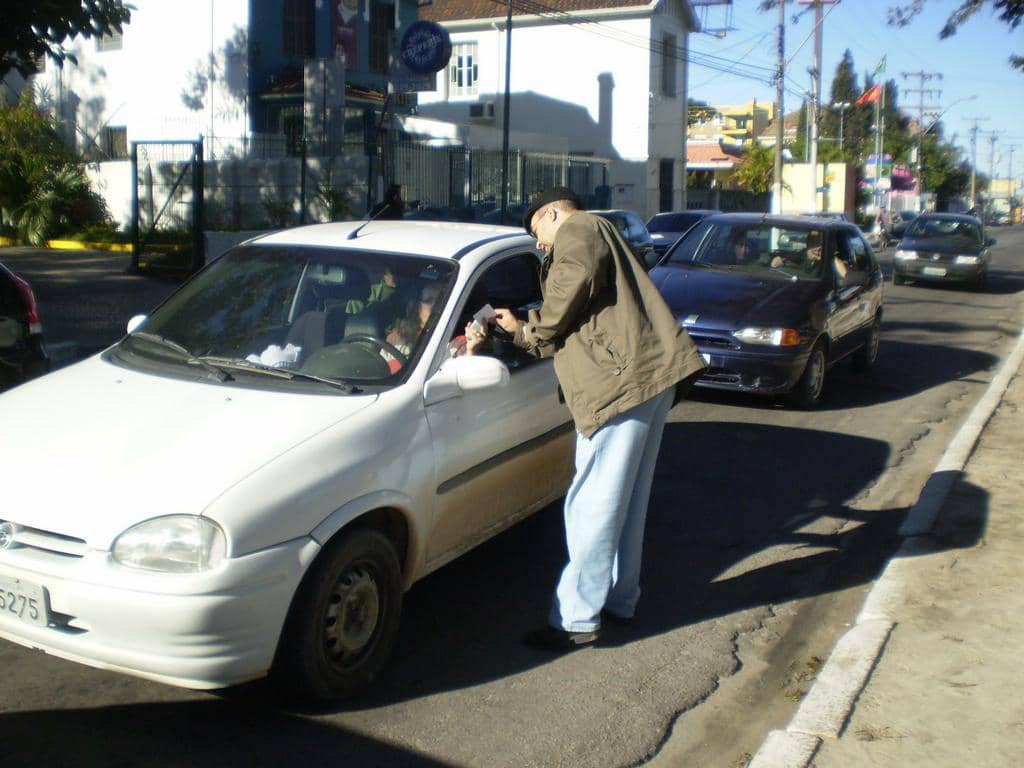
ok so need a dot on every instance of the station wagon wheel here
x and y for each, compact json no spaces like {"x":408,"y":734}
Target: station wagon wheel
{"x":807,"y":392}
{"x":864,"y":358}
{"x":344,"y":619}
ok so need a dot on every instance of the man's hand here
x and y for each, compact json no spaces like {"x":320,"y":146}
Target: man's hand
{"x":504,"y":319}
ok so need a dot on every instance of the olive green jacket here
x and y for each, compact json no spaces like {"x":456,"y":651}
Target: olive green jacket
{"x":615,"y":342}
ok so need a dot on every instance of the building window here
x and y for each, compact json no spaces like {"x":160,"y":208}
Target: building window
{"x":114,"y":142}
{"x":669,"y":62}
{"x":297,"y":28}
{"x":462,"y":70}
{"x":109,"y":42}
{"x":382,"y":21}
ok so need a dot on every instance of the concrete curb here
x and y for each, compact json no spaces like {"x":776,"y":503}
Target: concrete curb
{"x":825,"y":709}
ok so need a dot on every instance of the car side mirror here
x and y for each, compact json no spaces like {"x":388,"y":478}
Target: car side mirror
{"x":135,"y":323}
{"x":651,"y":258}
{"x":990,"y":241}
{"x":465,"y":374}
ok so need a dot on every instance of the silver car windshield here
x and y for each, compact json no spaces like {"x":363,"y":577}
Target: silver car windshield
{"x":320,"y":314}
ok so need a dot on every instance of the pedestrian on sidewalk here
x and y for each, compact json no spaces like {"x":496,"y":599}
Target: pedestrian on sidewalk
{"x":622,"y":359}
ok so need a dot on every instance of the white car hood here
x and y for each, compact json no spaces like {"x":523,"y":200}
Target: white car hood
{"x":92,"y":449}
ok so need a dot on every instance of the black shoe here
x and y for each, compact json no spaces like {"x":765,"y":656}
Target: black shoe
{"x":607,"y":617}
{"x":552,"y":639}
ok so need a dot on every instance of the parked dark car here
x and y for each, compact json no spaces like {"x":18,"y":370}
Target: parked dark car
{"x":944,"y":247}
{"x":773,"y":301}
{"x":22,"y":354}
{"x":667,"y":227}
{"x":633,"y":230}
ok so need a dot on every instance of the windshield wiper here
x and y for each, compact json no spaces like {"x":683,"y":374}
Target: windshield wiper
{"x":268,"y":370}
{"x":189,"y":358}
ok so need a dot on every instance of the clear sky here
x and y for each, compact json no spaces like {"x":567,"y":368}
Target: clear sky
{"x":974,"y":62}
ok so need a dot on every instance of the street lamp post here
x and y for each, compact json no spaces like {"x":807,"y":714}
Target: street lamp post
{"x":842,"y":106}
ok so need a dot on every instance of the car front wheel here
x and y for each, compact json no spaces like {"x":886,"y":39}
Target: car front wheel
{"x":864,"y":358}
{"x":344,"y":619}
{"x":807,"y":392}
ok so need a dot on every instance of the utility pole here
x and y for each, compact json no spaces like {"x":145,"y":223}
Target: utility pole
{"x":922,"y":110}
{"x":974,"y":153}
{"x":993,"y":136}
{"x":813,"y":106}
{"x":780,"y":75}
{"x":1009,"y":170}
{"x":505,"y":114}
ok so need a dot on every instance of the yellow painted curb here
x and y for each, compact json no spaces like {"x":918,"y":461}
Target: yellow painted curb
{"x":75,"y":245}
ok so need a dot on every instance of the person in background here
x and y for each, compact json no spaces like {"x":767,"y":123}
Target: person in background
{"x":620,"y":356}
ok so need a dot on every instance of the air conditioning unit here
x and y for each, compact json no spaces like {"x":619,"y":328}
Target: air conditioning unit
{"x":482,"y":110}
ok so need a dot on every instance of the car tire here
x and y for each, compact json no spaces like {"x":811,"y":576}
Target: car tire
{"x":980,"y":280}
{"x":344,"y":619}
{"x":898,"y":279}
{"x":864,"y":358}
{"x":807,"y":392}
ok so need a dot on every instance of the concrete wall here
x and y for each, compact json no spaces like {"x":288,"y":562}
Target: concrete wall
{"x":798,"y":194}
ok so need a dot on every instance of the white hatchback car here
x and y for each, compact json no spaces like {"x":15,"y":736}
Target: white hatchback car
{"x":249,"y":480}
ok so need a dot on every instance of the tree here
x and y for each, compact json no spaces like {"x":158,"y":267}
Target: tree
{"x":33,"y":29}
{"x":1010,"y":11}
{"x":757,"y":169}
{"x":43,"y":187}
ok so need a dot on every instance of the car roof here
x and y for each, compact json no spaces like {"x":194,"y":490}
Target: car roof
{"x":950,"y":217}
{"x":441,"y":239}
{"x":781,"y":220}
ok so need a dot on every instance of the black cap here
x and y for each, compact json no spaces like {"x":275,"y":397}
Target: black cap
{"x":550,"y":196}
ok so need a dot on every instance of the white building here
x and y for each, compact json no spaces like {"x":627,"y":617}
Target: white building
{"x":608,"y":75}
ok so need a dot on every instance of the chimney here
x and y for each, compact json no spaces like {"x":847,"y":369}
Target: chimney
{"x":606,"y":84}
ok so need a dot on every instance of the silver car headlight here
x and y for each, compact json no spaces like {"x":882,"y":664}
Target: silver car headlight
{"x":172,"y":544}
{"x":964,"y":259}
{"x":774,"y":337}
{"x":905,"y":255}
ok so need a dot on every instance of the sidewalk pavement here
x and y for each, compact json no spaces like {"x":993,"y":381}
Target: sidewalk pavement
{"x":945,"y":679}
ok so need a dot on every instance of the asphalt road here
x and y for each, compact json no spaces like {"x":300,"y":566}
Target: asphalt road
{"x":766,"y":526}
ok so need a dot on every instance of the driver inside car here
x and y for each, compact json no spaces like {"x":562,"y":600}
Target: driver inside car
{"x":407,"y":328}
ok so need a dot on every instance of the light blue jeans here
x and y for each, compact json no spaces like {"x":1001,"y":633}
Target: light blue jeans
{"x":605,"y":512}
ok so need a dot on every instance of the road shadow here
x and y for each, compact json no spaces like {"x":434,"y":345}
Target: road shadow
{"x":203,"y":734}
{"x":903,"y":369}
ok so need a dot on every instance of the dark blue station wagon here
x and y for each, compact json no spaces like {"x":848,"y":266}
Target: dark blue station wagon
{"x":773,"y":301}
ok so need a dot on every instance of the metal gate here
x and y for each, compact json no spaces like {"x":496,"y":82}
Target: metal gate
{"x":167,"y":201}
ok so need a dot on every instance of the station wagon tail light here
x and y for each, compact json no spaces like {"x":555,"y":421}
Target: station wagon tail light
{"x":773,"y":337}
{"x":31,"y":309}
{"x":965,"y":259}
{"x":172,"y":544}
{"x":905,"y":255}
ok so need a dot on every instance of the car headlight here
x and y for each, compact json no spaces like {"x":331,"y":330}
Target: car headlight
{"x":172,"y":544}
{"x":905,"y":255}
{"x":775,"y":337}
{"x":963,"y":259}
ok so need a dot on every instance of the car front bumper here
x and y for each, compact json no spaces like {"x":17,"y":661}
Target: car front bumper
{"x":762,"y":373}
{"x":204,"y":631}
{"x":918,"y":269}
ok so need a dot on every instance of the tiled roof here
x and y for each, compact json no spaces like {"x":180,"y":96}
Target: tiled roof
{"x":708,"y":154}
{"x":456,"y":10}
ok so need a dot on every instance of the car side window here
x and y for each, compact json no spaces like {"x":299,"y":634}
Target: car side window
{"x":856,"y":253}
{"x":513,"y":282}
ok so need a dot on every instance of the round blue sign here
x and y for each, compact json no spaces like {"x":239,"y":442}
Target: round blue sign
{"x":426,"y":47}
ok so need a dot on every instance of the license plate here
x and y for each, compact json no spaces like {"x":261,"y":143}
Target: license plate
{"x":707,"y":357}
{"x":23,"y":600}
{"x":936,"y":271}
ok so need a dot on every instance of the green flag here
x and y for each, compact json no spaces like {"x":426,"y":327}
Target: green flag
{"x":881,"y":67}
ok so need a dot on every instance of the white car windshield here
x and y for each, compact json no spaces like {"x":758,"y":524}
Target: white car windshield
{"x":284,"y":314}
